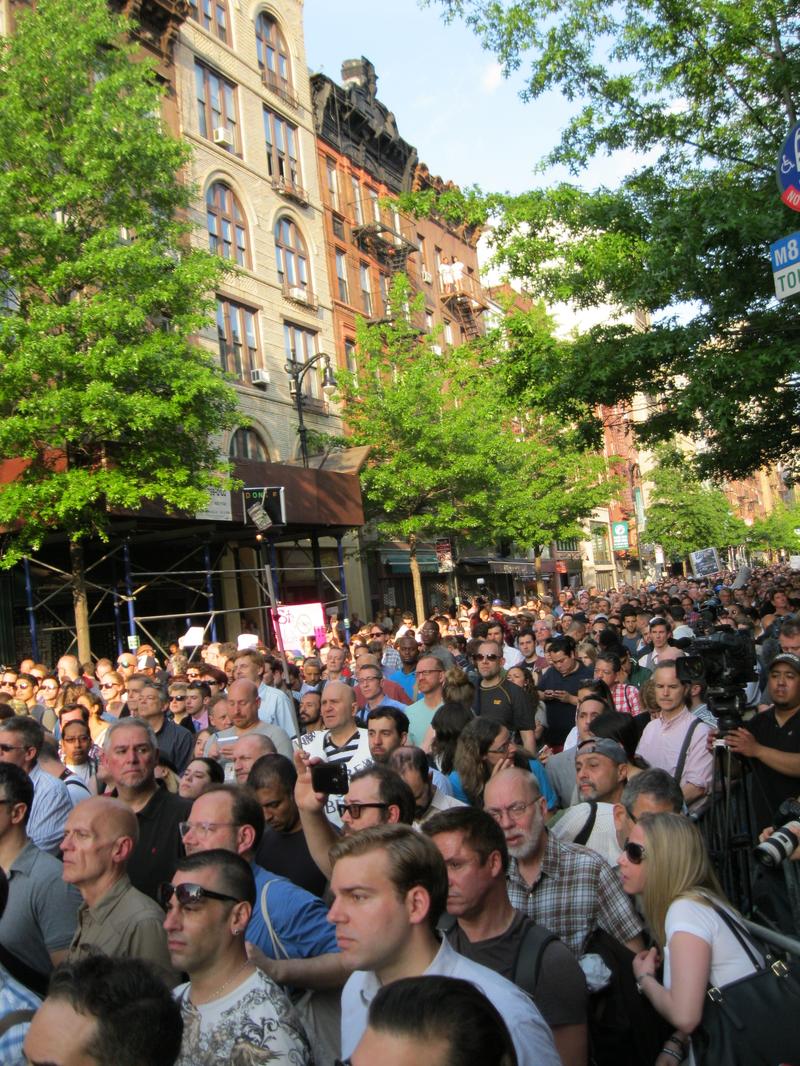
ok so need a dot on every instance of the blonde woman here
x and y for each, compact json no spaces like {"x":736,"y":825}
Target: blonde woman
{"x":666,"y":864}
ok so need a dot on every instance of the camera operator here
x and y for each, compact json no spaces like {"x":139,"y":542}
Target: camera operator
{"x":771,"y":741}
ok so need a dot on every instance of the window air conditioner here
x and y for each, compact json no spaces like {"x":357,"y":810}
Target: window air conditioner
{"x":259,"y":377}
{"x":223,"y":136}
{"x":427,"y":276}
{"x":298,"y":293}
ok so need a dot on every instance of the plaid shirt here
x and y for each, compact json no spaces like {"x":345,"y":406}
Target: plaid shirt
{"x":576,"y":893}
{"x":391,"y":661}
{"x":626,"y":699}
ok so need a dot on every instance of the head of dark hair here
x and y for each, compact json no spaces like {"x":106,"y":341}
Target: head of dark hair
{"x":271,"y":768}
{"x":598,"y":688}
{"x":448,"y":723}
{"x":139,"y":1022}
{"x":620,"y":727}
{"x":561,"y":643}
{"x":245,"y":808}
{"x":654,"y":782}
{"x":410,"y":756}
{"x":215,"y":771}
{"x":612,"y":658}
{"x":400,"y":718}
{"x":17,"y":786}
{"x":392,"y":789}
{"x":480,"y":831}
{"x":235,"y":874}
{"x":445,"y":1009}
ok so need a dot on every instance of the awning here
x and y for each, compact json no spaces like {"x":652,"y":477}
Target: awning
{"x":522,"y":568}
{"x":398,"y":562}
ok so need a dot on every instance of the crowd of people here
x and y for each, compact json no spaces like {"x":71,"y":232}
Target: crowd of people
{"x":477,"y":840}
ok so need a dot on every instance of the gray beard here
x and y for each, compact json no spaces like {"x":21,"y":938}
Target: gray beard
{"x":525,"y":850}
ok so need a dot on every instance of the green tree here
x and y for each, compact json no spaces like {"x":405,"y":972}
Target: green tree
{"x":778,"y":531}
{"x":449,"y":452}
{"x":685,"y":514}
{"x":105,"y":402}
{"x":707,"y":93}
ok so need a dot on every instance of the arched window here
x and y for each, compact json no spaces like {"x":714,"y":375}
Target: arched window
{"x":212,"y":16}
{"x":246,"y":444}
{"x":291,"y":257}
{"x":227,"y":235}
{"x":273,"y":56}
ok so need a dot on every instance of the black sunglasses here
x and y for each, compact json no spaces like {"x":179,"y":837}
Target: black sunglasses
{"x":490,"y":658}
{"x":634,"y":852}
{"x":189,"y":893}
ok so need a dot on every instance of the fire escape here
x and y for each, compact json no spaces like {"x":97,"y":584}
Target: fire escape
{"x":385,"y":243}
{"x":464,"y":301}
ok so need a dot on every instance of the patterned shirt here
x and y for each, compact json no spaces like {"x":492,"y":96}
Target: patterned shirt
{"x":354,"y":753}
{"x":576,"y":893}
{"x":49,"y":811}
{"x":626,"y":699}
{"x":14,"y":997}
{"x":390,"y":660}
{"x":253,"y":1023}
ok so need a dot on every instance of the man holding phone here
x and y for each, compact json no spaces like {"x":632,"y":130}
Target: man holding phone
{"x":342,"y":743}
{"x":559,"y":688}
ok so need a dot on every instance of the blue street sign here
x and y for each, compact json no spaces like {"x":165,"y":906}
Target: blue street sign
{"x":785,"y":257}
{"x":788,"y":169}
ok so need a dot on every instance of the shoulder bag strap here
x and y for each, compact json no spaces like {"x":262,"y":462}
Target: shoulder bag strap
{"x":741,"y":934}
{"x":14,"y":1017}
{"x":278,"y":949}
{"x":685,"y":750}
{"x":588,"y":825}
{"x":529,"y":957}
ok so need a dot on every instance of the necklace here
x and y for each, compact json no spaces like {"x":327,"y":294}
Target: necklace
{"x":218,"y":991}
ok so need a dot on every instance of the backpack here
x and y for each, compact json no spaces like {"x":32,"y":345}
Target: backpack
{"x":528,"y":963}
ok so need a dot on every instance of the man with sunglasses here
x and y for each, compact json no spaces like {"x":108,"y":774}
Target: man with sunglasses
{"x":569,"y":889}
{"x":499,"y":700}
{"x":287,"y":921}
{"x":231,"y":1010}
{"x":390,"y":657}
{"x":115,"y":919}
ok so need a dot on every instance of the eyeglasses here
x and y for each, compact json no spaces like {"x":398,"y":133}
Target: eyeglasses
{"x":421,"y":673}
{"x":501,"y":749}
{"x":202,"y":829}
{"x":189,"y":893}
{"x":79,"y":739}
{"x":377,"y":633}
{"x":354,"y":809}
{"x":515,"y":811}
{"x":632,"y":816}
{"x":125,"y":665}
{"x":492,"y":657}
{"x":49,"y":688}
{"x":6,"y":748}
{"x":109,"y":684}
{"x":23,"y":684}
{"x":634,"y":852}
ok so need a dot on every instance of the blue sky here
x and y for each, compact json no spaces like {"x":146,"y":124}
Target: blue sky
{"x":448,"y":96}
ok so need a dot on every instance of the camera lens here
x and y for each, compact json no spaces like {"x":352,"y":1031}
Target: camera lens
{"x":777,"y":848}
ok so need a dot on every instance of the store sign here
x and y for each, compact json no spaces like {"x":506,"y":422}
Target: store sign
{"x":444,"y":555}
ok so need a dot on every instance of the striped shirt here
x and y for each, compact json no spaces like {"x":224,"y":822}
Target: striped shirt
{"x":354,"y":753}
{"x":49,"y":811}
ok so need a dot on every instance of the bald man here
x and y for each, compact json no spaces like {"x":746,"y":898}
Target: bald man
{"x":243,"y":704}
{"x":247,"y":750}
{"x":115,"y":919}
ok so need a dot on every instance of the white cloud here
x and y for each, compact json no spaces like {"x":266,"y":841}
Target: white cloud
{"x":492,"y":77}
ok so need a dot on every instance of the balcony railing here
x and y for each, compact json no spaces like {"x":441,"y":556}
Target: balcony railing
{"x":291,"y":189}
{"x":280,"y":88}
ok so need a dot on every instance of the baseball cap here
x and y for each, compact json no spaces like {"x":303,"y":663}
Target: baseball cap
{"x":681,"y":632}
{"x":612,"y":749}
{"x":789,"y":658}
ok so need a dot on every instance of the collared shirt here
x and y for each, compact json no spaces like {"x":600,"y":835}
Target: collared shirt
{"x":49,"y":811}
{"x":626,"y":699}
{"x":41,"y":911}
{"x":176,"y":744}
{"x":123,"y":924}
{"x":661,"y":745}
{"x":362,"y":715}
{"x":530,"y":1033}
{"x":14,"y":997}
{"x":277,"y":708}
{"x":576,"y":893}
{"x":159,"y":847}
{"x":440,"y":801}
{"x":420,"y":716}
{"x":390,"y":660}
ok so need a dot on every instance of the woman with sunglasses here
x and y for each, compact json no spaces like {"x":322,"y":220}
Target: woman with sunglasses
{"x":484,"y":749}
{"x":666,"y":864}
{"x":112,"y":687}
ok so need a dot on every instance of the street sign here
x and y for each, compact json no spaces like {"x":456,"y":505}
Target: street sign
{"x":785,"y":257}
{"x":620,"y":536}
{"x":271,"y":499}
{"x":788,"y":169}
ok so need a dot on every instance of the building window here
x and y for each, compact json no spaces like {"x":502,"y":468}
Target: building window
{"x":341,"y":276}
{"x":216,"y":107}
{"x":227,"y":235}
{"x":338,"y":227}
{"x":383,"y":282}
{"x":212,"y":16}
{"x":570,"y":545}
{"x":246,"y":444}
{"x":429,"y":321}
{"x":281,"y":142}
{"x":333,"y":184}
{"x":448,"y":332}
{"x":237,"y":332}
{"x":423,"y":252}
{"x":600,"y":548}
{"x":350,"y":356}
{"x":273,"y":56}
{"x":291,"y":258}
{"x":358,"y":207}
{"x":374,"y":204}
{"x":301,"y":345}
{"x":366,"y":289}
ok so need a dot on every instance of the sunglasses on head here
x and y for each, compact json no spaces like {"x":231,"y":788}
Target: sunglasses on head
{"x":634,"y":852}
{"x":189,"y":893}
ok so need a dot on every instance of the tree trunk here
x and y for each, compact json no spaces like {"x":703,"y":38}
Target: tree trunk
{"x":80,"y":601}
{"x":416,"y":579}
{"x":537,"y":565}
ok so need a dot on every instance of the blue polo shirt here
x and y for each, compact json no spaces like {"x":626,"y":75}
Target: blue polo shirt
{"x":300,"y":926}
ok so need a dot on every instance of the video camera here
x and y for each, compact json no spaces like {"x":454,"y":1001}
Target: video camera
{"x":725,"y":661}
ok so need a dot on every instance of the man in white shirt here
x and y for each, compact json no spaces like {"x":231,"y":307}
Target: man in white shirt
{"x":390,"y":888}
{"x":511,"y":656}
{"x":275,"y":708}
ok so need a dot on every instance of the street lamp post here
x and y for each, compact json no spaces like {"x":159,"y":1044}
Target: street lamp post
{"x":297,"y":373}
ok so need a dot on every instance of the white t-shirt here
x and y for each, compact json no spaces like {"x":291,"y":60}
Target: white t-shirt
{"x":254,"y":1022}
{"x":603,"y":837}
{"x":354,"y":753}
{"x":728,"y":959}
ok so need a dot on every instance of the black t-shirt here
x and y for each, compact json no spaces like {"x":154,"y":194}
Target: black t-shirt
{"x":287,"y":854}
{"x":508,"y":704}
{"x":560,"y":714}
{"x":560,"y":992}
{"x":159,"y":847}
{"x":768,"y":787}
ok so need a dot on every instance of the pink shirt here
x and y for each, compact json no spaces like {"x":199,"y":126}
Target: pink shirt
{"x":661,"y":745}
